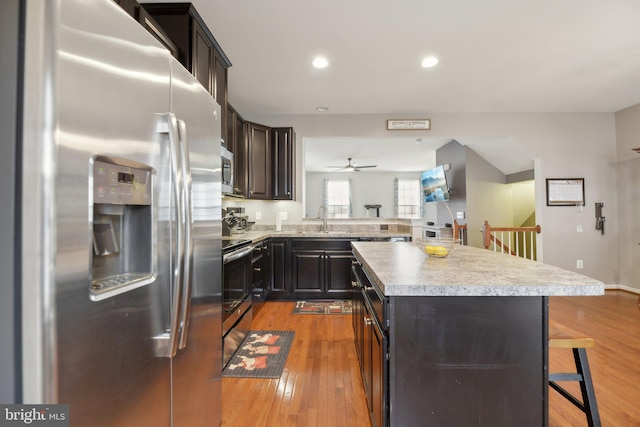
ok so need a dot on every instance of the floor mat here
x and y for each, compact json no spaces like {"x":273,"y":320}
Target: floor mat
{"x":262,"y":354}
{"x":323,"y":307}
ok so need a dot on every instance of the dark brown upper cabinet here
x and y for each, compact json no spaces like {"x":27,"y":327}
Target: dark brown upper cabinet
{"x":198,"y":50}
{"x":237,"y":144}
{"x":259,"y":162}
{"x":284,"y":143}
{"x":137,"y":12}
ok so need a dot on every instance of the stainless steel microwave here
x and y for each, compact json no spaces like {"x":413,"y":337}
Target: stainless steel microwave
{"x":227,"y":171}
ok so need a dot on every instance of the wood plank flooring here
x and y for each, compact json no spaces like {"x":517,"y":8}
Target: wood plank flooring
{"x":613,"y":321}
{"x":321,"y":384}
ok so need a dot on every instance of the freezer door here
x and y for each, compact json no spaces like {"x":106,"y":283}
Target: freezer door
{"x":197,"y":367}
{"x":104,"y":84}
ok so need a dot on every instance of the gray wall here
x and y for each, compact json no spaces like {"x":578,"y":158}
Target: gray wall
{"x":453,"y":154}
{"x":9,"y":55}
{"x":563,"y":144}
{"x":488,"y":197}
{"x":628,"y":192}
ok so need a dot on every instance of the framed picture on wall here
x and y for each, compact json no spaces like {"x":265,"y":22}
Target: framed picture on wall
{"x":565,"y":191}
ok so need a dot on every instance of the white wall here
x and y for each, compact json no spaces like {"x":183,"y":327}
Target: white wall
{"x":370,"y":188}
{"x":628,"y":191}
{"x":565,"y":144}
{"x":267,"y":210}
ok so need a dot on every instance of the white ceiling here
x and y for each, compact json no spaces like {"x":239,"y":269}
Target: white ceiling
{"x":389,"y":155}
{"x":495,"y":55}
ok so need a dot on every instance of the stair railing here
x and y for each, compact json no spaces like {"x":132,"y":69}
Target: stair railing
{"x":460,"y":232}
{"x":516,"y":241}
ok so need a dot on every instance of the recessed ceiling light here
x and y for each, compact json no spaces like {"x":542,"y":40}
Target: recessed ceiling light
{"x":320,"y":62}
{"x":429,"y":62}
{"x":322,"y":109}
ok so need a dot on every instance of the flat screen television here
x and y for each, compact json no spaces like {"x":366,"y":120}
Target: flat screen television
{"x":434,"y":185}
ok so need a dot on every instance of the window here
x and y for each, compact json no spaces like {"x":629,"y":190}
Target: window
{"x":408,"y":198}
{"x":337,"y":198}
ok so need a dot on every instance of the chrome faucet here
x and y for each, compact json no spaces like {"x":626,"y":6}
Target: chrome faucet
{"x":323,"y":209}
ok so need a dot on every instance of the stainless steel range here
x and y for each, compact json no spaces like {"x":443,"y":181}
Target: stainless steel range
{"x":237,"y":313}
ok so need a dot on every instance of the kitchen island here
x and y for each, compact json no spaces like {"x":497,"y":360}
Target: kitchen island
{"x":456,"y":341}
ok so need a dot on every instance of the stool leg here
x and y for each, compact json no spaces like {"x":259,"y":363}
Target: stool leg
{"x":586,"y":386}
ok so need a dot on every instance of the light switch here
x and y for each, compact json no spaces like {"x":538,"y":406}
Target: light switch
{"x":258,"y":216}
{"x":579,"y":229}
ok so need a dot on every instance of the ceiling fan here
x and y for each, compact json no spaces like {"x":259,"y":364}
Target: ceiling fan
{"x":351,"y":167}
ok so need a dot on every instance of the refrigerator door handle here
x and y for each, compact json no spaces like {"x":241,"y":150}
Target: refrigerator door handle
{"x":171,"y":336}
{"x":185,"y":311}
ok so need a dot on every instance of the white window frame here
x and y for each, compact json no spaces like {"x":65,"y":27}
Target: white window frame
{"x":338,"y":205}
{"x":407,"y":198}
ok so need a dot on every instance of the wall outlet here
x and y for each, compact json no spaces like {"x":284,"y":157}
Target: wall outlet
{"x":579,"y":229}
{"x":579,"y":264}
{"x":284,"y":215}
{"x":258,"y":216}
{"x":460,"y":215}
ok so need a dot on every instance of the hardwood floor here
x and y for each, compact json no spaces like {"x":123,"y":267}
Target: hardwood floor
{"x":321,"y":384}
{"x":613,"y":320}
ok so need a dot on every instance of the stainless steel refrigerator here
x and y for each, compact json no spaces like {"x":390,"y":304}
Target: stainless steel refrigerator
{"x":111,"y":231}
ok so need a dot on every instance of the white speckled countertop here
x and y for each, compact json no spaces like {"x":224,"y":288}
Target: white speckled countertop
{"x":256,"y":236}
{"x":401,"y":269}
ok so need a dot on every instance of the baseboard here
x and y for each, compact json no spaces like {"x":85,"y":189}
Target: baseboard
{"x":622,"y":288}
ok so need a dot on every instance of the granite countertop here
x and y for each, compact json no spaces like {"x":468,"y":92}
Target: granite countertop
{"x":257,"y":236}
{"x":401,"y":269}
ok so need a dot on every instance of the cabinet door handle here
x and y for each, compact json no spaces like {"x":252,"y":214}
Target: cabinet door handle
{"x":354,"y":284}
{"x":256,"y":269}
{"x":368,"y":321}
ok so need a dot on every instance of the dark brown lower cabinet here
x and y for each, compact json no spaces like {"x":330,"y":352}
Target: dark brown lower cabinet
{"x":321,"y":268}
{"x":279,"y":276}
{"x":303,"y":268}
{"x":371,"y":345}
{"x":468,"y":361}
{"x":451,"y":360}
{"x":307,"y":272}
{"x":260,"y":275}
{"x":378,"y":368}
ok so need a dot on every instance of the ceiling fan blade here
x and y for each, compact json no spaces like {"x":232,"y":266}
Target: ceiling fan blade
{"x":351,"y":166}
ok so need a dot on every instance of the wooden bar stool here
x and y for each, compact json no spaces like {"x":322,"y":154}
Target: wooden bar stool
{"x":562,"y":337}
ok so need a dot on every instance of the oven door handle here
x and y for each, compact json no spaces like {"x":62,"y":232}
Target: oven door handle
{"x":227,"y":258}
